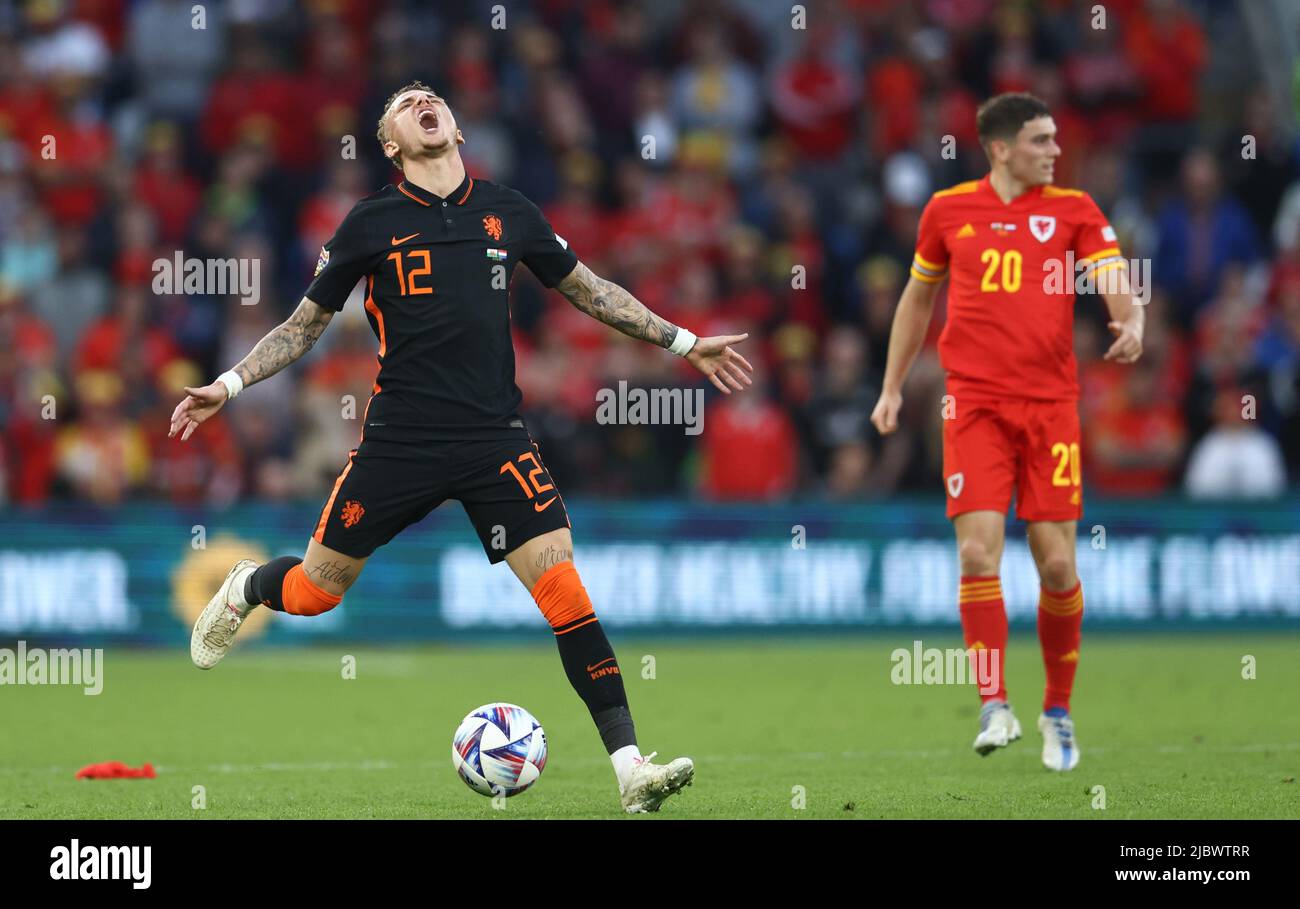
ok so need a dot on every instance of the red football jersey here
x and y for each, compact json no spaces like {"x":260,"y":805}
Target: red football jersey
{"x":1010,"y":329}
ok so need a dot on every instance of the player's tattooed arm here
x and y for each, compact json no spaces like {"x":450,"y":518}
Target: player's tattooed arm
{"x":285,"y":343}
{"x":611,"y":304}
{"x":281,"y":346}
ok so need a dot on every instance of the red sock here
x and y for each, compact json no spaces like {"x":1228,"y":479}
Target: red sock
{"x":1060,"y":620}
{"x":984,"y":625}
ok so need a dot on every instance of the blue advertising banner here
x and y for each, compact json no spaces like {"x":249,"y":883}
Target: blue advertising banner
{"x":141,"y":573}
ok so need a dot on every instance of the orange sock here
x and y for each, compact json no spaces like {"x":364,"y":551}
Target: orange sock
{"x":562,"y":598}
{"x":588,"y":658}
{"x":984,"y":625}
{"x":302,"y":597}
{"x":1060,"y":624}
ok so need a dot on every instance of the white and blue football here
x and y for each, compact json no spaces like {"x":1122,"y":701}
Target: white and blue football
{"x":499,"y":749}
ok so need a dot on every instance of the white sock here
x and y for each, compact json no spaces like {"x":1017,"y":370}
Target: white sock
{"x":624,"y":760}
{"x":237,"y":591}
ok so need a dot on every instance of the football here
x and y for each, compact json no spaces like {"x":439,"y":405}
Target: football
{"x":499,"y":749}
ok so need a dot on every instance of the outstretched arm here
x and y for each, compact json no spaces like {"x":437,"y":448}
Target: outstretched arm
{"x":611,"y":304}
{"x":285,"y":343}
{"x":281,"y":346}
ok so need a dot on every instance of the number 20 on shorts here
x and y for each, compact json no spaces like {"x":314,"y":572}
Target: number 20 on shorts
{"x":1067,"y":460}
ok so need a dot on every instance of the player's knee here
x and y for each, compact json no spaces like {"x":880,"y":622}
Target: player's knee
{"x":976,"y":557}
{"x":1056,"y":571}
{"x":562,"y":598}
{"x":302,"y":597}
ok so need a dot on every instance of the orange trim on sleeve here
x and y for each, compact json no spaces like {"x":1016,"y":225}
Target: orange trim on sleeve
{"x":924,"y":278}
{"x":1111,"y":266}
{"x":1101,"y":254}
{"x":928,"y":264}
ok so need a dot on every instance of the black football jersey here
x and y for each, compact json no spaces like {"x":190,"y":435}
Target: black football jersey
{"x":437,"y":275}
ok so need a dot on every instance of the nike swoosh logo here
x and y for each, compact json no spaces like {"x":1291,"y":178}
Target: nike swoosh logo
{"x":537,"y":507}
{"x":601,"y":663}
{"x":397,"y":242}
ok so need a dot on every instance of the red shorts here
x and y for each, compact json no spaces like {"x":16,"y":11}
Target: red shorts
{"x":1032,"y":447}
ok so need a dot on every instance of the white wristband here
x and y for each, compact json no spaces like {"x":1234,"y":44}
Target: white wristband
{"x":683,"y":343}
{"x":234,"y":384}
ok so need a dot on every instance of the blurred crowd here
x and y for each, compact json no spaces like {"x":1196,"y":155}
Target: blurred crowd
{"x":734,"y":171}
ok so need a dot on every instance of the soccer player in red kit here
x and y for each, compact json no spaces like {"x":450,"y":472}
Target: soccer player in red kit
{"x":1011,"y":420}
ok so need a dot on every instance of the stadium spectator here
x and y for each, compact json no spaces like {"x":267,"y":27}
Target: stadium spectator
{"x":787,"y":170}
{"x":104,"y":456}
{"x":716,"y":95}
{"x":61,"y":45}
{"x":30,"y":392}
{"x":1136,"y":444}
{"x":76,"y":296}
{"x":29,"y":258}
{"x":1167,"y":48}
{"x":160,"y":182}
{"x":1235,"y":459}
{"x":750,"y":449}
{"x":838,"y":414}
{"x":173,"y":60}
{"x":1200,"y":234}
{"x":206,"y":473}
{"x":1260,"y":160}
{"x":126,"y":343}
{"x":813,"y":97}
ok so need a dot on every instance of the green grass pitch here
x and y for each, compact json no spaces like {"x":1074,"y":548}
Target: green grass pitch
{"x":1166,"y":724}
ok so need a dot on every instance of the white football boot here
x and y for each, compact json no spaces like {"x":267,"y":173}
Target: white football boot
{"x":215,"y":629}
{"x":649,"y":784}
{"x":1060,"y":750}
{"x":998,"y":727}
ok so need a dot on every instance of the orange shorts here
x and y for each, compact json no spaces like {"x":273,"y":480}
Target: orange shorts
{"x":991,"y":448}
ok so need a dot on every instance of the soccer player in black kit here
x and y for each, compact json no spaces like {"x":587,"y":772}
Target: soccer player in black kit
{"x":442,"y":421}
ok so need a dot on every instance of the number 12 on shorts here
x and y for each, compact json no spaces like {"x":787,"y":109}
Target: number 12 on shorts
{"x":1067,"y":459}
{"x":537,"y":487}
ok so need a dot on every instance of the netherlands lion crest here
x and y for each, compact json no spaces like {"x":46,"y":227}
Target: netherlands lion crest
{"x":492,"y":224}
{"x":351,"y":513}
